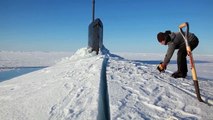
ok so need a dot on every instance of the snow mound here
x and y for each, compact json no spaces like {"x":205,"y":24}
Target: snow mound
{"x":79,"y":54}
{"x":105,"y":86}
{"x":67,"y":90}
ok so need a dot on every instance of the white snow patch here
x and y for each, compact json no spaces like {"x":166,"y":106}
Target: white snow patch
{"x":67,"y":90}
{"x":70,"y":90}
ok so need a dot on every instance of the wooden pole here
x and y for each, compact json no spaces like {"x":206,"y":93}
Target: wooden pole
{"x":189,"y":52}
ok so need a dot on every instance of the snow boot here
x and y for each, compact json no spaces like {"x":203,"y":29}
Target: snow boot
{"x":179,"y":75}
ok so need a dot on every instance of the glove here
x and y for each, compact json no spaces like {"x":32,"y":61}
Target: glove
{"x":161,"y":67}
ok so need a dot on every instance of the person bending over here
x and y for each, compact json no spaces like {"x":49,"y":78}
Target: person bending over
{"x":175,"y":41}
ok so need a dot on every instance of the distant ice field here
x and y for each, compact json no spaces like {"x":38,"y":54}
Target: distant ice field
{"x":10,"y":60}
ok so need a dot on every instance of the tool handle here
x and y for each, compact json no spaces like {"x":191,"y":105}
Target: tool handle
{"x":185,"y":24}
{"x":188,"y":49}
{"x":184,"y":34}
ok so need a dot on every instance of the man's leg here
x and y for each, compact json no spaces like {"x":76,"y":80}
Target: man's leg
{"x":181,"y":60}
{"x":194,"y":43}
{"x":181,"y":63}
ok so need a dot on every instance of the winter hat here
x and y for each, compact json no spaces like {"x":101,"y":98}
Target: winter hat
{"x":167,"y":37}
{"x":161,"y":36}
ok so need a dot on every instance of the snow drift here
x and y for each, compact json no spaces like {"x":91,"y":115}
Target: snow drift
{"x":106,"y":86}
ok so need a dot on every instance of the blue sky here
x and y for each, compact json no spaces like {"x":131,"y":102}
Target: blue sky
{"x":129,"y":25}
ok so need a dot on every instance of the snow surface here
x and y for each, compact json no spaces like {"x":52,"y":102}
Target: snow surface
{"x":86,"y":86}
{"x":30,"y":59}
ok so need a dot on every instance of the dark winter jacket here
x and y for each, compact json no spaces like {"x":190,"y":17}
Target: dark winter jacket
{"x":176,"y":42}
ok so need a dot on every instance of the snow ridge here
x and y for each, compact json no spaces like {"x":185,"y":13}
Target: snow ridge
{"x":104,"y":107}
{"x":103,"y":103}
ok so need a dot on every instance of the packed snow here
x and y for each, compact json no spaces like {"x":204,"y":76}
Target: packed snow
{"x":87,"y":86}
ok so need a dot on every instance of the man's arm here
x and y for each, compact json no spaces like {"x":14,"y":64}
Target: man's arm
{"x":170,"y":51}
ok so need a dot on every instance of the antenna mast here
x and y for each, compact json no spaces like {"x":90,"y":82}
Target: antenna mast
{"x":93,"y":10}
